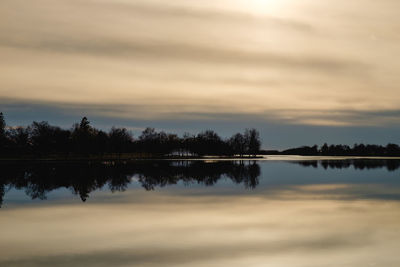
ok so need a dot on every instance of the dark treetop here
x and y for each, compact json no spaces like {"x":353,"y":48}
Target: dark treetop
{"x":42,"y":140}
{"x":390,"y":150}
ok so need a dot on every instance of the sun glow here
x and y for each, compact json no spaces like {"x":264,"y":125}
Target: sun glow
{"x":262,"y":7}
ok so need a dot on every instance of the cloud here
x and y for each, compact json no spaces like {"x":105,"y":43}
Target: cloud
{"x":156,"y":60}
{"x":198,"y":112}
{"x":170,"y":10}
{"x":167,"y":50}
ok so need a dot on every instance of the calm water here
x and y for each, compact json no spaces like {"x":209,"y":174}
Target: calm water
{"x":282,"y":212}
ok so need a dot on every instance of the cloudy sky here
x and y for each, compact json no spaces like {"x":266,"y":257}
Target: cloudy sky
{"x":300,"y":71}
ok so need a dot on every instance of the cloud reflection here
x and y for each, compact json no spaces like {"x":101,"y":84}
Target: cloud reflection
{"x":163,"y":229}
{"x":294,"y":225}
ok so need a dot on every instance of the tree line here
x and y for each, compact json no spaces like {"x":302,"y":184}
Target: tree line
{"x":390,"y":150}
{"x":43,"y":139}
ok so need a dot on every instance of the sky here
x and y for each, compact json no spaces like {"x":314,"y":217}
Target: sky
{"x":303,"y":72}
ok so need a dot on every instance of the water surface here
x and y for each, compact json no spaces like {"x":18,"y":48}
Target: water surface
{"x":294,"y":212}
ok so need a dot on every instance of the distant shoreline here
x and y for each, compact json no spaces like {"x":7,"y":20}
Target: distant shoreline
{"x":41,"y":141}
{"x":132,"y":158}
{"x":125,"y":157}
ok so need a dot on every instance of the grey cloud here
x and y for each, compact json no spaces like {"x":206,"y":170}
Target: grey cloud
{"x":354,"y":117}
{"x":384,"y":113}
{"x":163,"y":50}
{"x":351,"y":118}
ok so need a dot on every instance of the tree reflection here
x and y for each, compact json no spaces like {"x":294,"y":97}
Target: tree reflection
{"x":82,"y":178}
{"x":358,"y":164}
{"x":38,"y":179}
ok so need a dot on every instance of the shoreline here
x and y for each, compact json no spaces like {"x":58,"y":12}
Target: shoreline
{"x":130,"y":158}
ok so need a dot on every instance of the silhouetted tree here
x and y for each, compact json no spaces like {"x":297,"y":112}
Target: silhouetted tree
{"x":101,"y":143}
{"x":120,"y":140}
{"x":42,"y":139}
{"x":148,"y":140}
{"x":48,"y":139}
{"x":238,"y":144}
{"x":83,"y":136}
{"x":304,"y":151}
{"x":19,"y":140}
{"x":187,"y":144}
{"x":209,"y":143}
{"x":148,"y":134}
{"x":2,"y":125}
{"x":252,"y":139}
{"x":392,"y":150}
{"x":325,"y":149}
{"x":3,"y":139}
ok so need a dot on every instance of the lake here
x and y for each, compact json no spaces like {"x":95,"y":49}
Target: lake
{"x":276,"y":211}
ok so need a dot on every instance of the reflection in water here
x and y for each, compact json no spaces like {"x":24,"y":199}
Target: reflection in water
{"x":327,"y":220}
{"x":164,"y":229}
{"x":83,"y":178}
{"x":39,"y":179}
{"x":358,"y":164}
